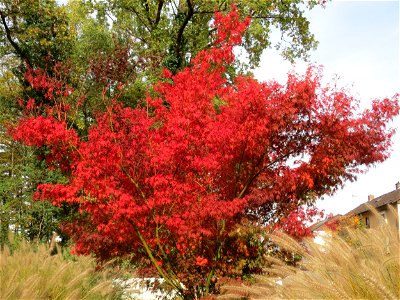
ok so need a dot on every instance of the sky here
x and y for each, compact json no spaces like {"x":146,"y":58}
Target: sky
{"x":359,"y":42}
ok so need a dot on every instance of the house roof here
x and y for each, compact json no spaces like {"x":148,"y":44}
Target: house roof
{"x":318,"y":225}
{"x":391,"y":197}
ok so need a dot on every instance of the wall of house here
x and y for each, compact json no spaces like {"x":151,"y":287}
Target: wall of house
{"x":372,"y":221}
{"x":390,"y":212}
{"x":393,"y":215}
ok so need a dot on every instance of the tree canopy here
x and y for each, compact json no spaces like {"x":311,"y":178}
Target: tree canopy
{"x":170,"y":32}
{"x":93,"y":51}
{"x":171,"y":184}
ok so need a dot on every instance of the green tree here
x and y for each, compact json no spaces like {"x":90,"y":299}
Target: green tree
{"x":158,"y":34}
{"x":37,"y":32}
{"x":20,"y":172}
{"x":173,"y":31}
{"x":33,"y":34}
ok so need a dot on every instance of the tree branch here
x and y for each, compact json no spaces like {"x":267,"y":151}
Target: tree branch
{"x":189,"y":15}
{"x":132,"y":9}
{"x":172,"y":281}
{"x":16,"y":47}
{"x":256,"y":174}
{"x":159,"y":9}
{"x":147,"y":9}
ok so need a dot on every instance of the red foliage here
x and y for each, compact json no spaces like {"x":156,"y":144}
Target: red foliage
{"x":61,"y":141}
{"x":113,"y":69}
{"x":52,"y":89}
{"x":170,"y":182}
{"x":333,"y":225}
{"x":295,"y":223}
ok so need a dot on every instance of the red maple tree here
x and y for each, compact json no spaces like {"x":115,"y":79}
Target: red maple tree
{"x":171,"y":182}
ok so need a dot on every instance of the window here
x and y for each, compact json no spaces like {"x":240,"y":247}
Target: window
{"x":383,"y":217}
{"x":367,"y":222}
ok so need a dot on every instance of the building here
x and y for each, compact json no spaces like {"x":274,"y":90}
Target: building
{"x":385,"y":208}
{"x":322,"y":230}
{"x":326,"y":224}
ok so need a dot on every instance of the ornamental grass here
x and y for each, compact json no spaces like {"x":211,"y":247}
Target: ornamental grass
{"x":355,"y":264}
{"x":31,"y":272}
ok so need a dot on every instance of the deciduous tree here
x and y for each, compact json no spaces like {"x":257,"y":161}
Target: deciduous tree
{"x":110,"y":48}
{"x":171,"y":183}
